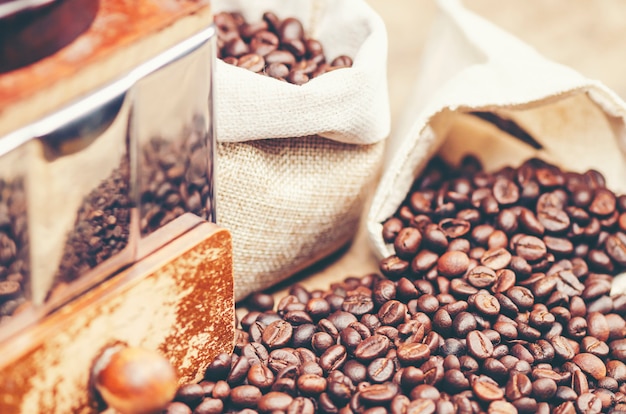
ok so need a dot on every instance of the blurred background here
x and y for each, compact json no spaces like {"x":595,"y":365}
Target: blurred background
{"x":587,"y":36}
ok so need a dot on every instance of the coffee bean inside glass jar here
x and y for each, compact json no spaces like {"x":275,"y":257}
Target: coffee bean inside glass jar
{"x":487,"y":306}
{"x":273,"y":47}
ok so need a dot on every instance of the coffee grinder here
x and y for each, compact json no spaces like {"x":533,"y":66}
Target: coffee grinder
{"x":107,"y":208}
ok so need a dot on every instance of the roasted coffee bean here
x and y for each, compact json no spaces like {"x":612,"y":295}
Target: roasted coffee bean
{"x":282,"y":44}
{"x":384,"y":291}
{"x":357,"y":304}
{"x":393,"y":267}
{"x":463,"y":323}
{"x":190,"y":394}
{"x":453,"y":263}
{"x":373,"y":347}
{"x":428,"y":304}
{"x":530,"y":248}
{"x":482,"y":277}
{"x":261,"y":302}
{"x":260,"y":376}
{"x":496,"y":259}
{"x":485,"y":390}
{"x":454,"y":228}
{"x":311,"y":385}
{"x":391,"y":228}
{"x":219,"y":368}
{"x":433,"y":371}
{"x":486,"y":304}
{"x":478,"y":345}
{"x":180,"y":408}
{"x":342,"y":319}
{"x":321,"y":341}
{"x":274,"y":401}
{"x":460,"y":288}
{"x":407,"y":242}
{"x":277,"y":334}
{"x":381,"y":370}
{"x":333,"y":358}
{"x":245,"y":396}
{"x":525,"y":322}
{"x":591,"y":365}
{"x":589,"y":403}
{"x":378,"y":393}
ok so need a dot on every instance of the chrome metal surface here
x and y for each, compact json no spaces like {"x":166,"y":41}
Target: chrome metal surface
{"x":100,"y":174}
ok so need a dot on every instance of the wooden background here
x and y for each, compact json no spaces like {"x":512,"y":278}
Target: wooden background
{"x":587,"y":36}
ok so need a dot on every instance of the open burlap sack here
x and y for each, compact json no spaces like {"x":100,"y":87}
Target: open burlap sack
{"x":295,"y":163}
{"x":471,"y":65}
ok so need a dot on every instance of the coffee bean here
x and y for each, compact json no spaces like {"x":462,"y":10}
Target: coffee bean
{"x":486,"y":304}
{"x":486,"y":390}
{"x":311,"y":385}
{"x":496,"y":259}
{"x":530,"y":248}
{"x":261,"y":302}
{"x":260,"y":376}
{"x":591,"y":365}
{"x":342,"y":319}
{"x":273,"y":401}
{"x":378,"y":393}
{"x":407,"y":242}
{"x":391,"y":228}
{"x":453,"y":263}
{"x":301,"y":405}
{"x":478,"y":345}
{"x":381,"y":370}
{"x":333,"y":358}
{"x":392,"y":313}
{"x":373,"y":347}
{"x":357,"y":304}
{"x":210,"y":406}
{"x":277,"y":334}
{"x":589,"y":403}
{"x":412,"y":353}
{"x":527,"y":302}
{"x":245,"y":396}
{"x":179,"y":408}
{"x":454,"y":228}
{"x":287,"y":53}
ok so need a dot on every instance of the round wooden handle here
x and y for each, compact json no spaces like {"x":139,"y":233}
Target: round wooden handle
{"x":134,"y":380}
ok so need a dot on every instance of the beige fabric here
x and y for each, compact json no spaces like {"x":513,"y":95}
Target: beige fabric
{"x":295,"y":163}
{"x":470,"y":64}
{"x":289,"y":203}
{"x":348,"y":105}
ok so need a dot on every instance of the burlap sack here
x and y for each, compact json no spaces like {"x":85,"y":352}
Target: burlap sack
{"x":471,"y":65}
{"x":295,"y":163}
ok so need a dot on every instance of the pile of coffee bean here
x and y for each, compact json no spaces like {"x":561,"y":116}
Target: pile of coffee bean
{"x":101,"y":228}
{"x":497,"y":300}
{"x":174,"y":178}
{"x":274,"y":47}
{"x":14,"y":264}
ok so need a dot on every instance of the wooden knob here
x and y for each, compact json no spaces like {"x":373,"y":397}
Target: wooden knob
{"x":134,"y":380}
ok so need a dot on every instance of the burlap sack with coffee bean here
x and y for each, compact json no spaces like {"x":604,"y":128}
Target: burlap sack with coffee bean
{"x":295,"y":163}
{"x":469,"y":65}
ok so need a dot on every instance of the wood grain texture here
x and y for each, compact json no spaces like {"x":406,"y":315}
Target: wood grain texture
{"x":178,"y":301}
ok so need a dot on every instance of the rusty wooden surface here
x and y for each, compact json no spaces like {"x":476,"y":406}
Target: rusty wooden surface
{"x":178,"y":300}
